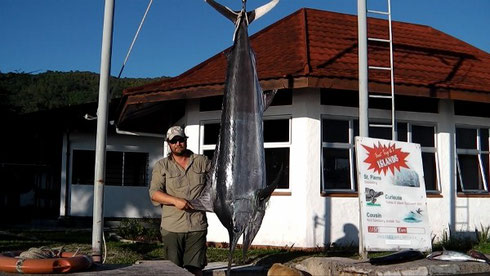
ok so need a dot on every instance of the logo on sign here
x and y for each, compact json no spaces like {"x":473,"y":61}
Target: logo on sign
{"x":382,"y":158}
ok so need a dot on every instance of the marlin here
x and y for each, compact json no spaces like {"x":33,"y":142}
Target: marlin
{"x":236,"y":188}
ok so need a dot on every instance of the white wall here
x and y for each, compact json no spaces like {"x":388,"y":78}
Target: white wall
{"x":307,"y":219}
{"x":304,"y":218}
{"x":119,"y":201}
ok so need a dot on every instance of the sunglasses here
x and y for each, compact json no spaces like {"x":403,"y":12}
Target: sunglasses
{"x":177,"y":139}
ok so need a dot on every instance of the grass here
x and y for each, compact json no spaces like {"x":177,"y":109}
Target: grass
{"x":128,"y":253}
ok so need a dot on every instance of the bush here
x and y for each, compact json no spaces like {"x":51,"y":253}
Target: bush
{"x":483,"y":236}
{"x":146,"y":229}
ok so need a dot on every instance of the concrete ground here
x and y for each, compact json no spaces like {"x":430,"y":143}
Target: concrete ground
{"x":310,"y":266}
{"x":347,"y":267}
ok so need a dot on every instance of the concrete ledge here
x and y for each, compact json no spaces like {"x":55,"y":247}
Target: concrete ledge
{"x":219,"y":269}
{"x":345,"y":266}
{"x":158,"y":267}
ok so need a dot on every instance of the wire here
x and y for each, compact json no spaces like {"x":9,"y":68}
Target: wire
{"x":134,"y":39}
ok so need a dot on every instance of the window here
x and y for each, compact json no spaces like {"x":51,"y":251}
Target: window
{"x":277,"y":140}
{"x":338,"y":152}
{"x":338,"y":165}
{"x":472,"y":159}
{"x":210,"y":134}
{"x":122,"y":168}
{"x":425,"y":136}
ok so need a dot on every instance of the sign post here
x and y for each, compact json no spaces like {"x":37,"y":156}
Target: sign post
{"x":392,"y":198}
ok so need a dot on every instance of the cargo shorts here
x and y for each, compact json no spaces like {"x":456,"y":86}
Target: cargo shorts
{"x":185,"y":249}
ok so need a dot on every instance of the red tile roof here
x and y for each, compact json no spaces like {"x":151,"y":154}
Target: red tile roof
{"x":313,"y":48}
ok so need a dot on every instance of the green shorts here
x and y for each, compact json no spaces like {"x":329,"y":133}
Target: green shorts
{"x":185,"y":249}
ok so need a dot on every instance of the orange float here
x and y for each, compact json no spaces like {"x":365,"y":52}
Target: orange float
{"x":68,"y":262}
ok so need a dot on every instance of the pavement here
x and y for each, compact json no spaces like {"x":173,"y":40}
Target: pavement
{"x":310,"y":266}
{"x":349,"y":267}
{"x":345,"y":266}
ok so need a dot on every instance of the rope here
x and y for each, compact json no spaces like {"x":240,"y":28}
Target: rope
{"x":134,"y":38}
{"x":43,"y":252}
{"x":105,"y":248}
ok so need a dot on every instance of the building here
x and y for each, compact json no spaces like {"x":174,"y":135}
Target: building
{"x":442,"y":102}
{"x":47,"y":167}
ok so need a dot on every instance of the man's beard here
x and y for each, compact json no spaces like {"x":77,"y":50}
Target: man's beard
{"x":180,"y":152}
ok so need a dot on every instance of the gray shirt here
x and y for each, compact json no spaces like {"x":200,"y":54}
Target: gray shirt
{"x":170,"y":178}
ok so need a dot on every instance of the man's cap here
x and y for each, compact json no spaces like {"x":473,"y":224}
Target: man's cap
{"x":175,"y":131}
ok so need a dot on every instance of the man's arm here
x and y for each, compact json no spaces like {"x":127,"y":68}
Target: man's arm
{"x":157,"y":190}
{"x":166,"y":199}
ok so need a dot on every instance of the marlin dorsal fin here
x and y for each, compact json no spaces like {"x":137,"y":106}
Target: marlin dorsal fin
{"x":260,"y":11}
{"x":227,"y":12}
{"x":265,"y":193}
{"x":268,"y":97}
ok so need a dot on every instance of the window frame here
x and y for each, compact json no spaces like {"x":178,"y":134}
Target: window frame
{"x":479,"y":153}
{"x":350,"y":146}
{"x":123,"y":169}
{"x":424,"y":149}
{"x":267,"y":145}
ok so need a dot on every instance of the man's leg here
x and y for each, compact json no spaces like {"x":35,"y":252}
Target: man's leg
{"x":195,"y":252}
{"x":173,"y":244}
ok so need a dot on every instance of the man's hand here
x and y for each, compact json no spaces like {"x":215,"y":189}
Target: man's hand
{"x":167,"y":199}
{"x":182,"y":204}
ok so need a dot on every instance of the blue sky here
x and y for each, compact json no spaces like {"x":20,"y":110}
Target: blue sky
{"x":65,"y":35}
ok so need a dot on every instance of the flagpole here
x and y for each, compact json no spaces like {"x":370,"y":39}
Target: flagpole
{"x":101,"y":139}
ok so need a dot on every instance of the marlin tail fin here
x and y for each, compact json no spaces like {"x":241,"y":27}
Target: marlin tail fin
{"x":252,"y":15}
{"x":227,"y":12}
{"x":260,"y":11}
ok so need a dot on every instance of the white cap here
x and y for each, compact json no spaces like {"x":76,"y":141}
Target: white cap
{"x":175,"y":131}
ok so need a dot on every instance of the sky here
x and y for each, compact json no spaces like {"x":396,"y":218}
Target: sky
{"x":66,"y":35}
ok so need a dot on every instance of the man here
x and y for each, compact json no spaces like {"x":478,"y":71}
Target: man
{"x":176,"y":179}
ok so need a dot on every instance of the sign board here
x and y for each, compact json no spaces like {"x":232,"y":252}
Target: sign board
{"x":393,"y":206}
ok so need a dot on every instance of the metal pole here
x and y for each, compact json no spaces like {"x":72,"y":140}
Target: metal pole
{"x":363,"y":68}
{"x":394,"y":128}
{"x":363,"y":93}
{"x":102,"y":122}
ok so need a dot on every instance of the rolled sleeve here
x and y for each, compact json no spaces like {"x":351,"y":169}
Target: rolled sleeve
{"x":157,"y":181}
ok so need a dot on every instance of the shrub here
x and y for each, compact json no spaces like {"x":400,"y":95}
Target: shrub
{"x":146,"y":229}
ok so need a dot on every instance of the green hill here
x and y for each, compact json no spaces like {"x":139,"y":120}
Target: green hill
{"x":25,"y":93}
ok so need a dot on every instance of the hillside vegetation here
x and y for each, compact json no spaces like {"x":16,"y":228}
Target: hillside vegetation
{"x":25,"y":93}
